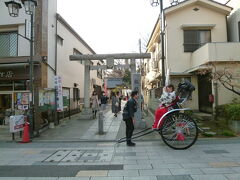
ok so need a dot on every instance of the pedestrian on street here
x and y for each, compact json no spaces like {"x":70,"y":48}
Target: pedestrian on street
{"x":104,"y":100}
{"x":115,"y":104}
{"x":120,"y":99}
{"x":128,"y":116}
{"x":166,"y":99}
{"x":95,"y":104}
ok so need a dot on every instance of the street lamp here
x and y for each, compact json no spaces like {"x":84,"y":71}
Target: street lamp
{"x":13,"y":8}
{"x":29,"y":6}
{"x":173,"y":2}
{"x":155,"y":3}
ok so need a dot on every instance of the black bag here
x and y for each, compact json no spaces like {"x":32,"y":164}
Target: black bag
{"x":125,"y":113}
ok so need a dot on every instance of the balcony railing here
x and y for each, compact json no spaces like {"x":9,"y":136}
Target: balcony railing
{"x":216,"y":52}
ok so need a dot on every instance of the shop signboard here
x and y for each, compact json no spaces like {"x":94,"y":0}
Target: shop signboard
{"x":59,"y":91}
{"x":22,"y":101}
{"x":16,"y":123}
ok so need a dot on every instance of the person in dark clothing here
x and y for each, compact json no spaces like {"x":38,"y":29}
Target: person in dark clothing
{"x":115,"y":103}
{"x":128,"y":116}
{"x":120,"y":99}
{"x":104,"y":100}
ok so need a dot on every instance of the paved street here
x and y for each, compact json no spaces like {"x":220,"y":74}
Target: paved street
{"x":208,"y":159}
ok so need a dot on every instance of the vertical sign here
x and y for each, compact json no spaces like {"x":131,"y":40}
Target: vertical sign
{"x":136,"y":77}
{"x":105,"y":87}
{"x":59,"y":91}
{"x":136,"y":86}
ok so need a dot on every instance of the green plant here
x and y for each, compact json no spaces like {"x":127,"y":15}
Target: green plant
{"x":228,"y":133}
{"x":221,"y":110}
{"x":190,"y":113}
{"x":207,"y":135}
{"x":233,"y":112}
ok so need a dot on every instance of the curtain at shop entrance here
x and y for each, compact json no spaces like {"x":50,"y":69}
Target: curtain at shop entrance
{"x":5,"y":107}
{"x":204,"y":90}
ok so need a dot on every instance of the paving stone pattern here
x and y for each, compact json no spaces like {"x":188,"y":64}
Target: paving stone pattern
{"x":79,"y":156}
{"x":103,"y":161}
{"x":211,"y":159}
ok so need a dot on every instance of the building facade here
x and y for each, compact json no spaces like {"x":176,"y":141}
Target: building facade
{"x":234,"y":21}
{"x":54,"y":41}
{"x":196,"y":35}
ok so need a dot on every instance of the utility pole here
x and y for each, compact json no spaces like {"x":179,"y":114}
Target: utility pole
{"x":31,"y":75}
{"x":162,"y":29}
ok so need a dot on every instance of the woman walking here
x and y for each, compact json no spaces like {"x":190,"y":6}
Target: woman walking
{"x":115,"y":104}
{"x":95,"y":104}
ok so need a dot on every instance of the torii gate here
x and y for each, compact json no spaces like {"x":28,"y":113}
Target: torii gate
{"x":87,"y":113}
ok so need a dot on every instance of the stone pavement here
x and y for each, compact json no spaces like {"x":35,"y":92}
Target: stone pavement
{"x":74,"y":150}
{"x":76,"y":129}
{"x":210,"y":159}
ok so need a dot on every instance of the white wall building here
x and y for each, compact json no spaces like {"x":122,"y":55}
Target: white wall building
{"x":54,"y":41}
{"x":234,"y":21}
{"x":196,"y":36}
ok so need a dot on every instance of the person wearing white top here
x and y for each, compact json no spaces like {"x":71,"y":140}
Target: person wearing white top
{"x":166,"y":99}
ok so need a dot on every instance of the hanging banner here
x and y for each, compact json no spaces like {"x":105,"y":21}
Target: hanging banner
{"x":59,"y":91}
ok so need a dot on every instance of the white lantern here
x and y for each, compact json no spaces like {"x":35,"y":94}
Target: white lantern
{"x":13,"y":8}
{"x":154,"y":3}
{"x":173,"y":2}
{"x":29,"y":6}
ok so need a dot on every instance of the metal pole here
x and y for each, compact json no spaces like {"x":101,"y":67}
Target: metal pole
{"x":69,"y":101}
{"x":56,"y":119}
{"x":162,"y":29}
{"x":100,"y":122}
{"x":31,"y":95}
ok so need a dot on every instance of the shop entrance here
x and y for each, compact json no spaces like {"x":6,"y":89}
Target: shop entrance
{"x":6,"y":106}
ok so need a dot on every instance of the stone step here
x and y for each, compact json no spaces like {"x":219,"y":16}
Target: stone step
{"x":210,"y":133}
{"x":205,"y":128}
{"x":202,"y":116}
{"x":199,"y":123}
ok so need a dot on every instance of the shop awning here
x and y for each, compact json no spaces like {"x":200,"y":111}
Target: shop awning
{"x":197,"y":68}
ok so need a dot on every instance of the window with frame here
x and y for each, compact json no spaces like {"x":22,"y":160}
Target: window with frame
{"x":60,"y":40}
{"x":239,"y":31}
{"x":8,"y":44}
{"x":194,"y":39}
{"x":76,"y":94}
{"x":76,"y":52}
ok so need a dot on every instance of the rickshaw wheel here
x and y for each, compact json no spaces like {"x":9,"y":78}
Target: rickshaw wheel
{"x":179,"y":131}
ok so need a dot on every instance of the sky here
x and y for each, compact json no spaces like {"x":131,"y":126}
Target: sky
{"x":112,"y":26}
